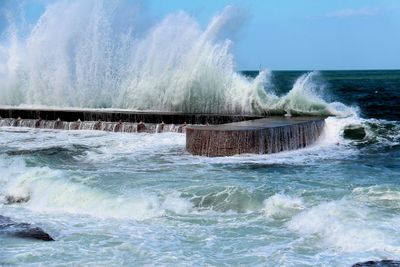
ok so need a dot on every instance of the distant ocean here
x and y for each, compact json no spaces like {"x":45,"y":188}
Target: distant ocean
{"x":113,"y":199}
{"x":375,"y":92}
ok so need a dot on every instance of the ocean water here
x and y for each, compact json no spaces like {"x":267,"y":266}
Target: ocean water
{"x":119,"y":199}
{"x":114,"y":199}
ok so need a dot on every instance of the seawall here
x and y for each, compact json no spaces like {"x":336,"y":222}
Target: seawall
{"x":125,"y":127}
{"x":121,"y":115}
{"x":206,"y":134}
{"x":262,"y":136}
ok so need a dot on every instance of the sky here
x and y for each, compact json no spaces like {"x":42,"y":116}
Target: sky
{"x":301,"y":34}
{"x":308,"y":34}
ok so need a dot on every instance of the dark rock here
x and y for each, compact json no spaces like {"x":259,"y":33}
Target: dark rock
{"x":354,"y":132}
{"x":27,"y":231}
{"x":15,"y":199}
{"x":23,"y":230}
{"x":382,"y":263}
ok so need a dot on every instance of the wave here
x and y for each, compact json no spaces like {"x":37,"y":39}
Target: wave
{"x":109,"y":56}
{"x":50,"y":191}
{"x":227,"y":199}
{"x":281,"y":206}
{"x":337,"y":224}
{"x":46,"y":190}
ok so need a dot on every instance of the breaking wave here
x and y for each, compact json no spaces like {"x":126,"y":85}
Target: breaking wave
{"x":50,"y":191}
{"x":106,"y":54}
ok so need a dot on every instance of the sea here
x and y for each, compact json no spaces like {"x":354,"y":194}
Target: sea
{"x":139,"y":199}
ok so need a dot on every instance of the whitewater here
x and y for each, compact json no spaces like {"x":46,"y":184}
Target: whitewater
{"x":101,"y":59}
{"x":123,"y":199}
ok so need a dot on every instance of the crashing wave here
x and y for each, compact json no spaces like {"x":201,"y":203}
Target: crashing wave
{"x":109,"y":56}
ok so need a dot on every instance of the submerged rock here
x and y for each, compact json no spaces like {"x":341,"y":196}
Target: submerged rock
{"x":354,"y":132}
{"x":23,"y":230}
{"x":382,"y":263}
{"x":16,"y":199}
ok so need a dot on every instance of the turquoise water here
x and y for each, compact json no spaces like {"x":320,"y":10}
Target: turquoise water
{"x":112,"y":199}
{"x":115,"y":199}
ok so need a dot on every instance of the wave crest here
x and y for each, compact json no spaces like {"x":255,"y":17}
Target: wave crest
{"x":102,"y":58}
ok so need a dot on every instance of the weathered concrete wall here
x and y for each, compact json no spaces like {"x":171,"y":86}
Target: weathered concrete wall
{"x":263,"y":136}
{"x":125,"y":116}
{"x":126,"y":127}
{"x":228,"y":135}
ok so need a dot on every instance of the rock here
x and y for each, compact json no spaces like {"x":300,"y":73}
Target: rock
{"x":23,"y":230}
{"x":27,"y":231}
{"x":16,"y":199}
{"x":382,"y":263}
{"x":354,"y":132}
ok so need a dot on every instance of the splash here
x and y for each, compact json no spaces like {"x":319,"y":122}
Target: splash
{"x":110,"y":56}
{"x":336,"y":224}
{"x":49,"y":191}
{"x":281,"y":206}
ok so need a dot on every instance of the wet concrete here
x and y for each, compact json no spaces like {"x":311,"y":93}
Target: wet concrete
{"x":206,"y":134}
{"x":106,"y":115}
{"x":261,"y":136}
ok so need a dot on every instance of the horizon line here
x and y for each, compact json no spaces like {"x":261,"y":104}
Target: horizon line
{"x":388,"y":69}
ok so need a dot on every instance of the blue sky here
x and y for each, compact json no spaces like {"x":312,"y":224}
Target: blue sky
{"x":304,"y":34}
{"x":309,"y":34}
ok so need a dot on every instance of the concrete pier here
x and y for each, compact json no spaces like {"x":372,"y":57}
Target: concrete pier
{"x":209,"y":135}
{"x":262,"y":136}
{"x":107,"y":115}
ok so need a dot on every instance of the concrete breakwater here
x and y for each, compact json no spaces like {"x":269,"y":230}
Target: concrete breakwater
{"x":262,"y":136}
{"x":206,"y":134}
{"x":125,"y":127}
{"x":121,"y":115}
{"x":110,"y":120}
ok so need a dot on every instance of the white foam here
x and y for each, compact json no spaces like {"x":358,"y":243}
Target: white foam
{"x":333,"y":130}
{"x":135,"y":145}
{"x":378,"y":195}
{"x":303,"y":98}
{"x":344,"y":226}
{"x":112,"y":146}
{"x":281,"y":206}
{"x":177,"y":204}
{"x":50,"y":191}
{"x":109,"y":57}
{"x":330,"y":145}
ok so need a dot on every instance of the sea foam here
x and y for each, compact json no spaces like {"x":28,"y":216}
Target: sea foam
{"x":344,"y":226}
{"x":110,"y":56}
{"x":50,"y":191}
{"x":281,"y":206}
